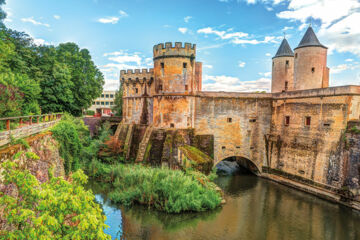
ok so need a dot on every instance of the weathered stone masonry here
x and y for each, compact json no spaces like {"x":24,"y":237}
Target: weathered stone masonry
{"x":303,"y":134}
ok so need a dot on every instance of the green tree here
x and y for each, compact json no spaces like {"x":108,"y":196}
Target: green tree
{"x":118,"y":102}
{"x":56,"y":209}
{"x":86,"y":78}
{"x":2,"y":13}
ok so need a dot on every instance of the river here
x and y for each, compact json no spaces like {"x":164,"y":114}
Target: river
{"x":256,"y":208}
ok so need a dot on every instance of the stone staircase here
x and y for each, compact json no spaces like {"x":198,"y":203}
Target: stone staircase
{"x":143,"y":144}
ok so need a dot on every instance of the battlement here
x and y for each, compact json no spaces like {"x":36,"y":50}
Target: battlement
{"x":139,"y":75}
{"x":174,"y":50}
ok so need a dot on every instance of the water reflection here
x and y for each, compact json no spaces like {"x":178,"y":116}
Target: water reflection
{"x":255,"y":209}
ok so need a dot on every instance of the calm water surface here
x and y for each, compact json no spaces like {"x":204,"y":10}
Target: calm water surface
{"x":256,"y":209}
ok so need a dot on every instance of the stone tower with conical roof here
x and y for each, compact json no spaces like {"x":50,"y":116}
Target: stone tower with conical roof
{"x":283,"y":69}
{"x":310,"y":70}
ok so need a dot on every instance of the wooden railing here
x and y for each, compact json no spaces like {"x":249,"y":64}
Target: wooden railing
{"x":31,"y":119}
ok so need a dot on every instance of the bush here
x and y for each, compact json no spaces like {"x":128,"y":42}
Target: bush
{"x":167,"y":190}
{"x":89,"y":112}
{"x":56,"y":209}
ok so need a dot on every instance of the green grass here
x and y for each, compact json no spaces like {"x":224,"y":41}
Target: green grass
{"x":172,"y":191}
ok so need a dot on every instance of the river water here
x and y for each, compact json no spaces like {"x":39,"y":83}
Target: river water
{"x":256,"y":209}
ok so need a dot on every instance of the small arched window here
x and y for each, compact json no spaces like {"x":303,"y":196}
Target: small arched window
{"x":313,"y":70}
{"x":296,"y":55}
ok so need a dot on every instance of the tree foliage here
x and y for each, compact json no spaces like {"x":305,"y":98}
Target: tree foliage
{"x":56,"y":209}
{"x":51,"y":78}
{"x":118,"y":102}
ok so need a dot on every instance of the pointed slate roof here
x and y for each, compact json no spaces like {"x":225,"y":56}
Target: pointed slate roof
{"x":310,"y":40}
{"x":284,"y":50}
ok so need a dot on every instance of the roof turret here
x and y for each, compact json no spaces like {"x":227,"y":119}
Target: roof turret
{"x":310,"y":39}
{"x":284,"y":50}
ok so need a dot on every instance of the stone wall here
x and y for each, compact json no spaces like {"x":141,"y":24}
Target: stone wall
{"x":238,"y":124}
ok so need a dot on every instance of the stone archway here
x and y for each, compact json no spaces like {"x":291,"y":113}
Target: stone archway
{"x":244,"y":163}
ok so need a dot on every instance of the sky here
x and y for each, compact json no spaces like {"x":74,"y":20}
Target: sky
{"x":235,"y":39}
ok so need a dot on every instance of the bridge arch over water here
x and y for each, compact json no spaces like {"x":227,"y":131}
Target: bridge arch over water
{"x":243,"y":162}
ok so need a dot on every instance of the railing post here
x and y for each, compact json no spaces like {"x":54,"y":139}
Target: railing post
{"x":30,"y":121}
{"x":43,"y":118}
{"x":8,"y":124}
{"x":38,"y":119}
{"x":20,"y":122}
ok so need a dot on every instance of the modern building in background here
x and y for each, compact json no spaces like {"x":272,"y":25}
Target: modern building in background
{"x":103,"y":105}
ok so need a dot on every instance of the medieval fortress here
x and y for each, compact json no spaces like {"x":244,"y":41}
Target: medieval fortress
{"x":304,"y":133}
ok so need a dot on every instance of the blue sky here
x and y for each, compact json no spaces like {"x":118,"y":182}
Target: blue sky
{"x":236,"y":39}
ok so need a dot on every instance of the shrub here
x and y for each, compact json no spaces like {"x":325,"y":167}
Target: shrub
{"x":167,"y":190}
{"x":56,"y":209}
{"x":89,"y":112}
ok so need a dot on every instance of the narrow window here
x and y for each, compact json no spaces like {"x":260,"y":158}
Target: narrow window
{"x":107,"y":95}
{"x":252,"y":120}
{"x":186,"y":87}
{"x":136,"y":90}
{"x":313,"y":70}
{"x":106,"y":103}
{"x":162,"y":65}
{"x":287,"y":63}
{"x":160,"y":87}
{"x":223,"y":147}
{"x":111,"y":95}
{"x":307,"y":121}
{"x":97,"y":103}
{"x":229,"y":120}
{"x":111,"y":103}
{"x":296,"y":55}
{"x":102,"y":95}
{"x":287,"y":120}
{"x":326,"y":124}
{"x":286,"y":86}
{"x":172,"y":125}
{"x":184,"y":65}
{"x":102,"y":103}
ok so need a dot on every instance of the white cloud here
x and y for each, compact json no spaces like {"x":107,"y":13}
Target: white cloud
{"x":268,"y":54}
{"x":265,"y":74}
{"x":57,"y":17}
{"x":112,"y":20}
{"x":123,"y":14}
{"x":117,"y":53}
{"x":349,"y":60}
{"x":222,"y":34}
{"x":241,"y":64}
{"x":287,"y":28}
{"x":251,"y":1}
{"x":343,"y":67}
{"x":208,"y":66}
{"x":235,"y":37}
{"x":338,"y":21}
{"x":33,"y":21}
{"x":39,"y":42}
{"x":183,"y":30}
{"x":126,"y":59}
{"x":187,"y":19}
{"x":234,"y":84}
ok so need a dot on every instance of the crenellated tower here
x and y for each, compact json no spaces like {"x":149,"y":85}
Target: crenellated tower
{"x":175,"y":68}
{"x":283,"y":69}
{"x":310,"y":70}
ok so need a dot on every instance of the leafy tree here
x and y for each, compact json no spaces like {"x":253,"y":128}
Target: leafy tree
{"x":11,"y":101}
{"x":118,"y":102}
{"x":86,"y":78}
{"x":2,"y":13}
{"x":56,"y":209}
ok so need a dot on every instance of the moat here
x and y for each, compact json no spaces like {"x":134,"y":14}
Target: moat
{"x":256,"y":209}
